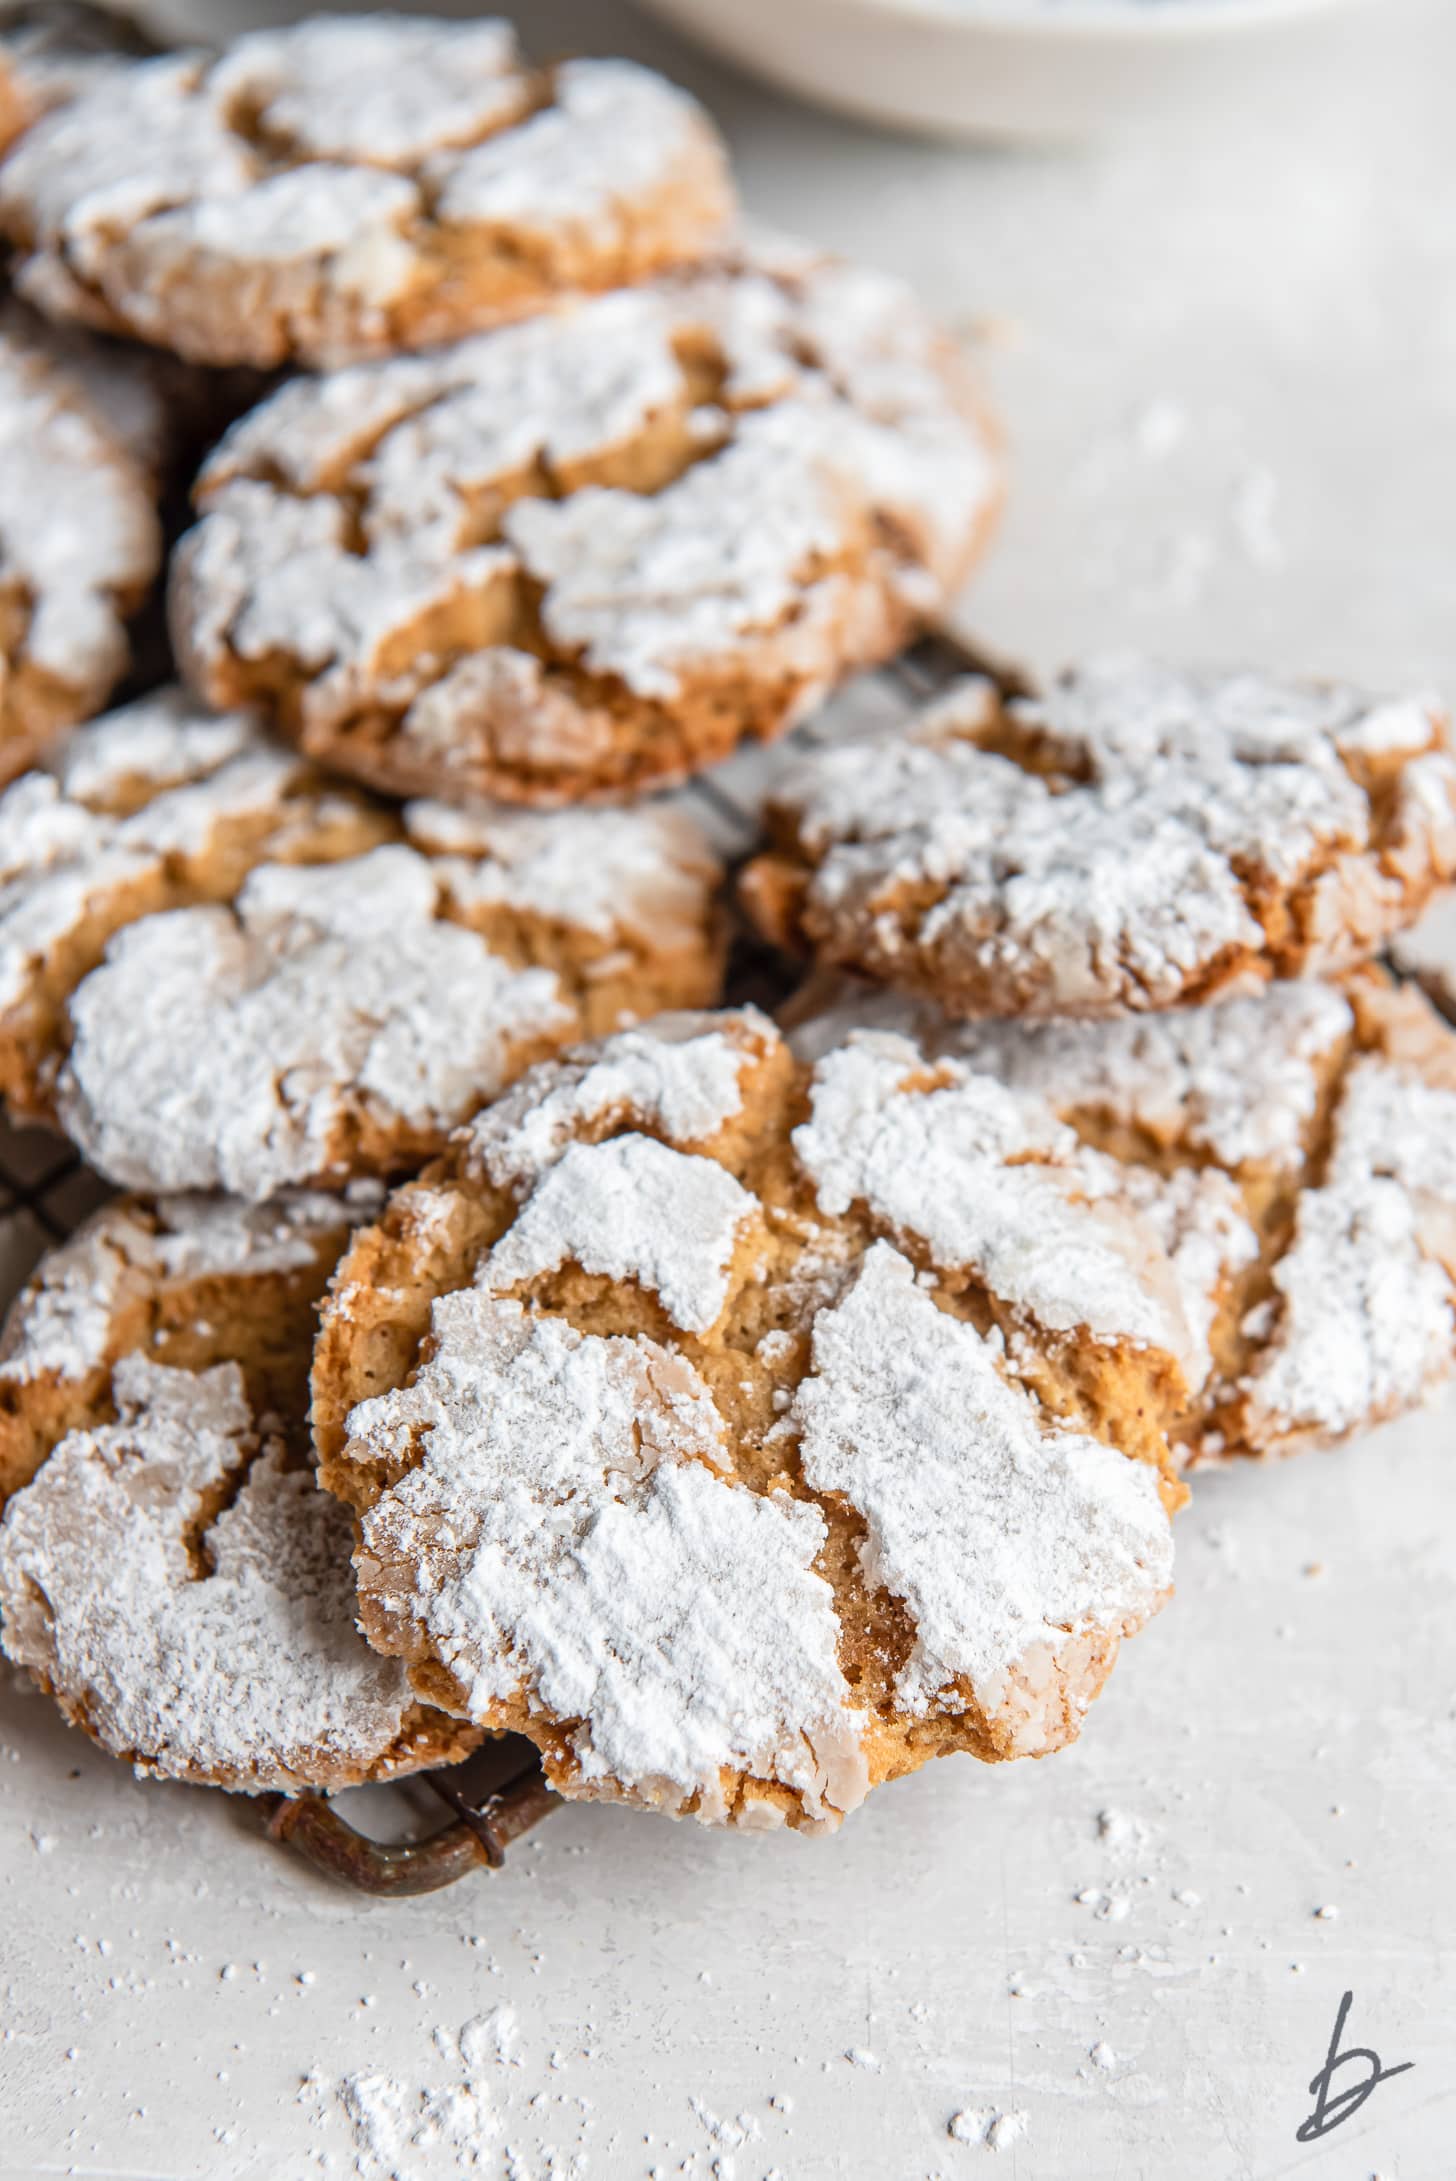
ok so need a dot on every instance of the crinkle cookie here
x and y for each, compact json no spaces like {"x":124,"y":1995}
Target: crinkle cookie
{"x":1297,"y":1151}
{"x":80,"y":540}
{"x":221,"y":971}
{"x":1136,"y":839}
{"x":593,"y":553}
{"x":170,"y":1571}
{"x":354,"y":186}
{"x":748,"y":1435}
{"x":52,"y":50}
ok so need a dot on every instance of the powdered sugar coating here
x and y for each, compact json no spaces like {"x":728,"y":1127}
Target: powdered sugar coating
{"x":354,"y":187}
{"x":1202,"y":1224}
{"x":631,"y":1209}
{"x":71,"y":844}
{"x":570,"y":1547}
{"x":588,"y":1503}
{"x":735,"y":477}
{"x":680,"y":1076}
{"x":985,"y":1178}
{"x":79,"y":543}
{"x":292,"y":992}
{"x":248,"y":1670}
{"x":64,"y":1325}
{"x":1005,"y":1538}
{"x":1363,"y":1324}
{"x":1307,"y":1130}
{"x":1151,"y":837}
{"x":641,"y":872}
{"x":1238,"y":1082}
{"x":320,"y":992}
{"x":384,"y":89}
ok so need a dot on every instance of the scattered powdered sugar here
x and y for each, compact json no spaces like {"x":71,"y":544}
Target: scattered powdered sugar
{"x":477,"y":2103}
{"x":631,"y":1209}
{"x":987,"y":1178}
{"x":563,"y":1538}
{"x":316,"y":998}
{"x":1176,"y":803}
{"x":455,"y":2121}
{"x":1008,"y":1539}
{"x":680,"y":1076}
{"x":983,"y":2124}
{"x":247,"y":1670}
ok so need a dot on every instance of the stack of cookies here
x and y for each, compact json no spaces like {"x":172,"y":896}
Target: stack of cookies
{"x":500,"y":1333}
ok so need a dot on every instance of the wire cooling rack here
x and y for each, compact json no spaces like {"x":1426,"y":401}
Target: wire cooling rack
{"x":46,"y":1191}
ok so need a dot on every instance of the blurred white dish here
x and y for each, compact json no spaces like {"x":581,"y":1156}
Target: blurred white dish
{"x":1001,"y":68}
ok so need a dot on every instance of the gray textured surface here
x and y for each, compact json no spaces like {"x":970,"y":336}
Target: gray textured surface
{"x":1228,"y":366}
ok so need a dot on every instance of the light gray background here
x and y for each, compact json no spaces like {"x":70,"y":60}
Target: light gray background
{"x":1226,"y":357}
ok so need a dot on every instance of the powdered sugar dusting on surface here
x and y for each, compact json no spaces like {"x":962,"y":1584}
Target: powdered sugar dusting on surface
{"x":988,"y":1179}
{"x":565,"y":1537}
{"x":631,"y":1209}
{"x":249,"y":1671}
{"x":680,"y":1076}
{"x":1006,"y":1538}
{"x":1036,"y":902}
{"x":317,"y":996}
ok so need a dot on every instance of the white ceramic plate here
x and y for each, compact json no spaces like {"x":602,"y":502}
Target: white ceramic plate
{"x":1003,"y":68}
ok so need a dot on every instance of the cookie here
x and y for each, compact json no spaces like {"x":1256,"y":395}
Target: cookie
{"x":15,"y":112}
{"x":592,"y":554}
{"x":1136,"y":839}
{"x":52,"y":50}
{"x":1427,"y":952}
{"x":170,"y":1571}
{"x":354,"y":186}
{"x":1294,"y":1149}
{"x":219,"y":970}
{"x":744,"y":1434}
{"x":80,"y":540}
